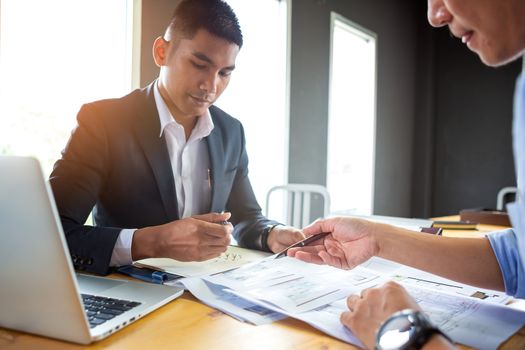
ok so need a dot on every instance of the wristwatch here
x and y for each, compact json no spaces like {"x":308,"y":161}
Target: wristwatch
{"x":264,"y":236}
{"x":406,"y":330}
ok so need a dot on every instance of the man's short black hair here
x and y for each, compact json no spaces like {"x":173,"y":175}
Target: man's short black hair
{"x":215,"y":16}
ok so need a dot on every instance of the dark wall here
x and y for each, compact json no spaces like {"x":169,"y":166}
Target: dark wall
{"x":473,"y":147}
{"x":393,"y":22}
{"x":462,"y":141}
{"x":423,"y":149}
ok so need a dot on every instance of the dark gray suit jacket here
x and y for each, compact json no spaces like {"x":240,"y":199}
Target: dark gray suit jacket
{"x":116,"y":165}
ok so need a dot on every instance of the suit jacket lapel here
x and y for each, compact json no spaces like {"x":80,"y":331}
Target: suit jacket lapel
{"x":215,"y":151}
{"x":147,"y":128}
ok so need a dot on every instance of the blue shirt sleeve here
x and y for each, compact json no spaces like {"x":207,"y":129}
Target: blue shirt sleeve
{"x":505,"y":248}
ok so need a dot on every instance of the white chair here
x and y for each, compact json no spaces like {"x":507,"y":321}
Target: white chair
{"x":502,"y":194}
{"x":298,"y":200}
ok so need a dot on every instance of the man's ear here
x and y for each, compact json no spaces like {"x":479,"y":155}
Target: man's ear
{"x":160,"y":51}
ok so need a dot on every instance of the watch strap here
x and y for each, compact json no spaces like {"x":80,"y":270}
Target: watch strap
{"x":424,"y":337}
{"x":264,"y":236}
{"x":424,"y":330}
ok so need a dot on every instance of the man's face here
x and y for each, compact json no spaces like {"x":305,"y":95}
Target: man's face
{"x":491,"y":28}
{"x":194,"y":72}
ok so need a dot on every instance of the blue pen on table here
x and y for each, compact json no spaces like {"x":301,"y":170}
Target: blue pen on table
{"x":147,"y":274}
{"x":303,"y":243}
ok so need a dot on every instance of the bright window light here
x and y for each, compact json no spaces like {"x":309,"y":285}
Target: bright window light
{"x":257,"y":94}
{"x":56,"y":55}
{"x":351,"y":129}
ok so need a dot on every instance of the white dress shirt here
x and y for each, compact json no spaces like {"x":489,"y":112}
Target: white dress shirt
{"x":190,"y":164}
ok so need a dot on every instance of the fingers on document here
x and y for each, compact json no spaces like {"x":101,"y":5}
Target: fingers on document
{"x":351,"y":301}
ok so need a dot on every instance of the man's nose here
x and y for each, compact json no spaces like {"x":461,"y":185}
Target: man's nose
{"x":438,"y":14}
{"x":209,"y":84}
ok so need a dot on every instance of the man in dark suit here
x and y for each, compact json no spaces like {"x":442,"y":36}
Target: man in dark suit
{"x":162,"y":168}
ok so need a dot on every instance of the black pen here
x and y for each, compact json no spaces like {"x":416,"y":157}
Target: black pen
{"x":225,"y":222}
{"x":303,"y":243}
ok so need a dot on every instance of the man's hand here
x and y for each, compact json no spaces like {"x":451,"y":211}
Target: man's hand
{"x":281,"y":237}
{"x":197,"y":238}
{"x":368,"y":311}
{"x":351,"y":242}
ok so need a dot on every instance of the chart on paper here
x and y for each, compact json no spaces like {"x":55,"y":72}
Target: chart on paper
{"x":466,"y":320}
{"x":294,"y":285}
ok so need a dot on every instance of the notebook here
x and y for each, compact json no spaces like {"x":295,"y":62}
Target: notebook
{"x":232,"y":258}
{"x":40,"y":291}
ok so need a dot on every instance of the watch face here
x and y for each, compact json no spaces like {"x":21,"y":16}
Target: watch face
{"x":396,"y":332}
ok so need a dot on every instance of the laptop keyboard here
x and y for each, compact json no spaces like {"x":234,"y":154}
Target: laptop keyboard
{"x":101,"y":309}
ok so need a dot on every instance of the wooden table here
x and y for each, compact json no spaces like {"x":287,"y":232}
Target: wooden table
{"x":185,"y":323}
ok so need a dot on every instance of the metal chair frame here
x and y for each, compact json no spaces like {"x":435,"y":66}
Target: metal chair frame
{"x":299,"y":202}
{"x":504,"y":192}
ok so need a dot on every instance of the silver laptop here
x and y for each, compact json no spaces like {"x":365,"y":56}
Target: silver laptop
{"x":40,"y":292}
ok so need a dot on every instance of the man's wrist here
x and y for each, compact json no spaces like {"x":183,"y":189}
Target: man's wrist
{"x":142,"y":246}
{"x":265,"y":235}
{"x":121,"y":254}
{"x":378,"y":237}
{"x":438,"y":341}
{"x":385,"y":239}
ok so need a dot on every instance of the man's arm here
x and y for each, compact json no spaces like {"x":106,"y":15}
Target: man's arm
{"x":76,"y":181}
{"x":468,"y":260}
{"x":353,"y":241}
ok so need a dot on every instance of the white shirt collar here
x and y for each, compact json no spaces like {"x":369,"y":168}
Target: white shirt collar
{"x":204,"y":124}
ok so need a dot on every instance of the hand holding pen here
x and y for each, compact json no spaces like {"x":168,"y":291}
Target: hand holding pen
{"x":196,"y":238}
{"x":225,"y":222}
{"x":350,"y":242}
{"x":302,"y":243}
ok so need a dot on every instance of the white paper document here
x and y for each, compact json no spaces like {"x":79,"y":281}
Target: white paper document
{"x":418,"y":278}
{"x":293,"y":285}
{"x":216,"y":296}
{"x":258,"y":289}
{"x":316,"y":295}
{"x":410,"y":276}
{"x":468,"y":321}
{"x":232,"y":258}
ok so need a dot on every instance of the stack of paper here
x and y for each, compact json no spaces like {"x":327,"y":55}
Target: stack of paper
{"x":216,"y":296}
{"x":316,"y":295}
{"x":254,"y":287}
{"x":292,"y":285}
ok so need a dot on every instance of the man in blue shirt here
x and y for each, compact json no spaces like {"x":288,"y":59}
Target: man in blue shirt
{"x":494,"y":30}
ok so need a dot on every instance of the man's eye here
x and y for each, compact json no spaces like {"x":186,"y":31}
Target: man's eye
{"x":198,"y":66}
{"x":225,"y":73}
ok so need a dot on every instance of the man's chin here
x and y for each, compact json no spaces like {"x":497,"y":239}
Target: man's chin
{"x":197,"y":112}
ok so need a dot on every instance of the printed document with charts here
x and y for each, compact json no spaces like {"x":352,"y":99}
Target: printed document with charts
{"x":316,"y":295}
